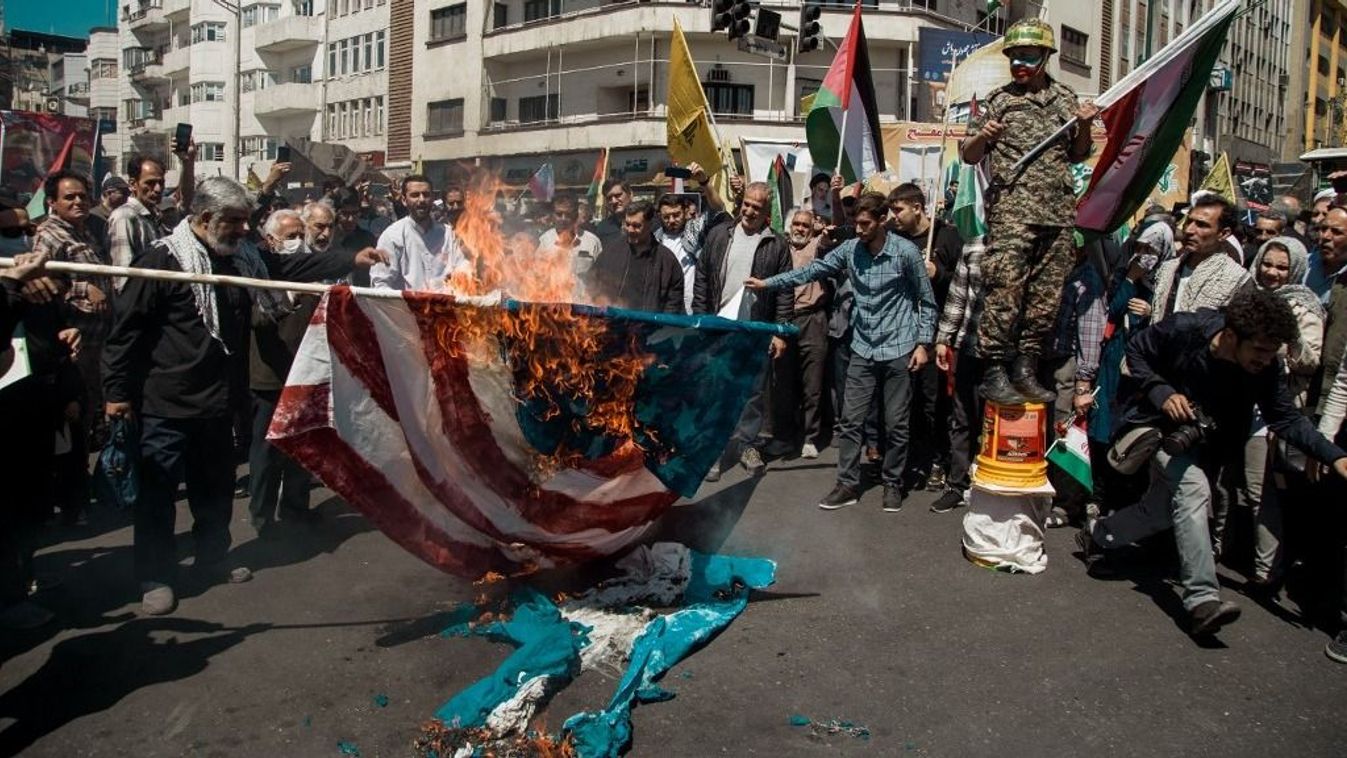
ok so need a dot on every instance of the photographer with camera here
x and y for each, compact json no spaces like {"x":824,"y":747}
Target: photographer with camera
{"x":1201,"y":374}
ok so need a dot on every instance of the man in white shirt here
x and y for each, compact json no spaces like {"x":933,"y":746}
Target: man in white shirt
{"x":566,"y":237}
{"x":422,"y":253}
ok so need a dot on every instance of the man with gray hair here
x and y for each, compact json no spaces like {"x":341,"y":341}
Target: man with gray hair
{"x":167,"y":365}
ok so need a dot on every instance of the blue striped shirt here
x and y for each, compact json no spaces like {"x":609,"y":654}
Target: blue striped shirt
{"x":894,"y":306}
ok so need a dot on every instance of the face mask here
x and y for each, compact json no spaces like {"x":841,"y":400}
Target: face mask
{"x":292,"y":246}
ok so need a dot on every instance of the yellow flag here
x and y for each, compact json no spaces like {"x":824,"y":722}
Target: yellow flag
{"x":1220,"y":180}
{"x":254,"y":181}
{"x":691,"y":135}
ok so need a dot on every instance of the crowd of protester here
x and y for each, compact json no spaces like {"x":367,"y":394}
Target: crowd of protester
{"x":1223,"y":336}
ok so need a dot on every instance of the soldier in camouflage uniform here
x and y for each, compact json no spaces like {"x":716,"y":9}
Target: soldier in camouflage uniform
{"x":1030,"y":218}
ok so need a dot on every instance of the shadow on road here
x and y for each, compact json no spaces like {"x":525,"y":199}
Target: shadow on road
{"x":706,"y":524}
{"x":93,"y":672}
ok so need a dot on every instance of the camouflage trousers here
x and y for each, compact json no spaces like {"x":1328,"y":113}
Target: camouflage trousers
{"x":1023,"y":271}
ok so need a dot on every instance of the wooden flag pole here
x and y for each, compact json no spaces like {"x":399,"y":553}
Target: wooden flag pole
{"x":229,"y":281}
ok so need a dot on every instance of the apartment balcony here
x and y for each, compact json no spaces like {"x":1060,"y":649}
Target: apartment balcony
{"x":149,"y":72}
{"x":177,"y":63}
{"x":144,"y":16}
{"x":177,"y":10}
{"x":285,"y":100}
{"x":288,"y":33}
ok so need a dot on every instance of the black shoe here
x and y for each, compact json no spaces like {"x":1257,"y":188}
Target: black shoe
{"x":947,"y":502}
{"x":1262,"y":590}
{"x":893,"y":499}
{"x":1336,"y":649}
{"x":1209,"y":617}
{"x":996,"y":387}
{"x":1094,"y":556}
{"x":840,"y":497}
{"x":1024,"y":377}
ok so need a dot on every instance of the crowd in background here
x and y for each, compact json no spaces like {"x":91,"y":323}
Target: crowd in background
{"x":884,"y":292}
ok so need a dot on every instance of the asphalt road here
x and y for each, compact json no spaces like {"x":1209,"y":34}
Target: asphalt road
{"x":876,"y":619}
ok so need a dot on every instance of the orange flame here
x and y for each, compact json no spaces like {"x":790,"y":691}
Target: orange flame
{"x":439,"y":739}
{"x":555,"y":353}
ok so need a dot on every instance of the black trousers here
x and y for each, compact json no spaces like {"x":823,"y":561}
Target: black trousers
{"x":965,"y":421}
{"x":925,"y":395}
{"x":26,"y":461}
{"x":796,"y":400}
{"x":200,"y":452}
{"x":272,"y":475}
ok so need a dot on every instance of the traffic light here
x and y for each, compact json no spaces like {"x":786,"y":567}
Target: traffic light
{"x":811,"y":31}
{"x":720,"y":14}
{"x":739,"y":13}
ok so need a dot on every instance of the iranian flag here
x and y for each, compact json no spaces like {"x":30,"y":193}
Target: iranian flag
{"x":1071,"y":453}
{"x":1146,"y":113}
{"x":842,"y":127}
{"x":595,"y":191}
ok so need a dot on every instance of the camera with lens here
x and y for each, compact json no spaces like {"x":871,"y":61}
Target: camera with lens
{"x":1182,"y":439}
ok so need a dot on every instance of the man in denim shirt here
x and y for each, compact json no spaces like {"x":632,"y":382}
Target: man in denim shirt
{"x":893,"y":320}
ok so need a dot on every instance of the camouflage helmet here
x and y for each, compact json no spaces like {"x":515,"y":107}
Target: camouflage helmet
{"x":1029,"y":32}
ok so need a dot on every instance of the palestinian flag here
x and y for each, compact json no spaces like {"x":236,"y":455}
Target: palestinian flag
{"x":595,"y":191}
{"x":970,"y":211}
{"x":1071,"y":453}
{"x":843,"y":121}
{"x":542,"y":185}
{"x":1146,"y":113}
{"x":37,"y":205}
{"x":783,"y":193}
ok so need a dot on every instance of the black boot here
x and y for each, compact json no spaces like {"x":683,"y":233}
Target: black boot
{"x":1024,"y":375}
{"x":996,"y":388}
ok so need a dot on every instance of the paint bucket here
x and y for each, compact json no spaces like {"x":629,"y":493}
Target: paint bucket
{"x":1014,"y":442}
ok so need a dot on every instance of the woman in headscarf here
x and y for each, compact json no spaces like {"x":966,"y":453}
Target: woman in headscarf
{"x":1279,"y":262}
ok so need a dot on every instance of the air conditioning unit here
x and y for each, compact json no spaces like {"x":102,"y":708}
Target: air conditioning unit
{"x":53,"y":105}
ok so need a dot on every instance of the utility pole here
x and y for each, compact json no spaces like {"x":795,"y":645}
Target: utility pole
{"x":235,"y":160}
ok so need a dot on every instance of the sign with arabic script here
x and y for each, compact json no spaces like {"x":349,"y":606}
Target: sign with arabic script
{"x":937,"y":47}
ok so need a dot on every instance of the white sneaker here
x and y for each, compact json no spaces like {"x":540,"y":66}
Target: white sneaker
{"x":157,"y":599}
{"x":808,"y":451}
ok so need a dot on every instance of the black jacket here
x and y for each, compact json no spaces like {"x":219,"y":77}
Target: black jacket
{"x":160,"y":355}
{"x":1174,"y":356}
{"x":274,"y":343}
{"x":946,"y":249}
{"x":771,"y":258}
{"x":644,"y":280}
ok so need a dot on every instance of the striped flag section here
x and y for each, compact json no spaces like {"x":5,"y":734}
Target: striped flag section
{"x":844,"y":115}
{"x":1146,"y":114}
{"x":1071,"y":453}
{"x":542,"y":185}
{"x":425,"y":433}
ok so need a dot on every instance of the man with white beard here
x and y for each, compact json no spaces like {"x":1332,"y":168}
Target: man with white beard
{"x":809,"y":356}
{"x":167,"y":365}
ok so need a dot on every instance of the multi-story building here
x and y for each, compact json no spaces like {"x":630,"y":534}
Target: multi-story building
{"x":26,"y":60}
{"x":1324,"y":80}
{"x":253,"y":75}
{"x":523,"y":81}
{"x":105,"y":92}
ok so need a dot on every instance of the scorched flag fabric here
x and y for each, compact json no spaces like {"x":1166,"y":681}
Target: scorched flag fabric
{"x":512,"y":437}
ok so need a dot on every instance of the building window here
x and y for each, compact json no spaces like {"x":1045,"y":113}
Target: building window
{"x":210,"y":151}
{"x":103,"y":68}
{"x":379,"y":49}
{"x":304,"y":8}
{"x":208,"y":92}
{"x":331,"y":59}
{"x":500,"y":15}
{"x":344,"y":50}
{"x":997,"y":25}
{"x":208,"y":31}
{"x":252,"y":15}
{"x":332,"y":120}
{"x":499,"y":109}
{"x":301,"y":74}
{"x":731,"y":99}
{"x":261,"y":148}
{"x":107,"y":118}
{"x":445,"y":117}
{"x":1075,"y":46}
{"x":539,"y":108}
{"x":449,"y":23}
{"x":378,"y":115}
{"x":537,"y":10}
{"x":369,"y":52}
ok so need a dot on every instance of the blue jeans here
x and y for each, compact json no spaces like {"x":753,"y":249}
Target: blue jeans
{"x":1179,"y":496}
{"x":893,"y":383}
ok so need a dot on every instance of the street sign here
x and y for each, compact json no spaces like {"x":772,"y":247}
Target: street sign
{"x":764,"y":47}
